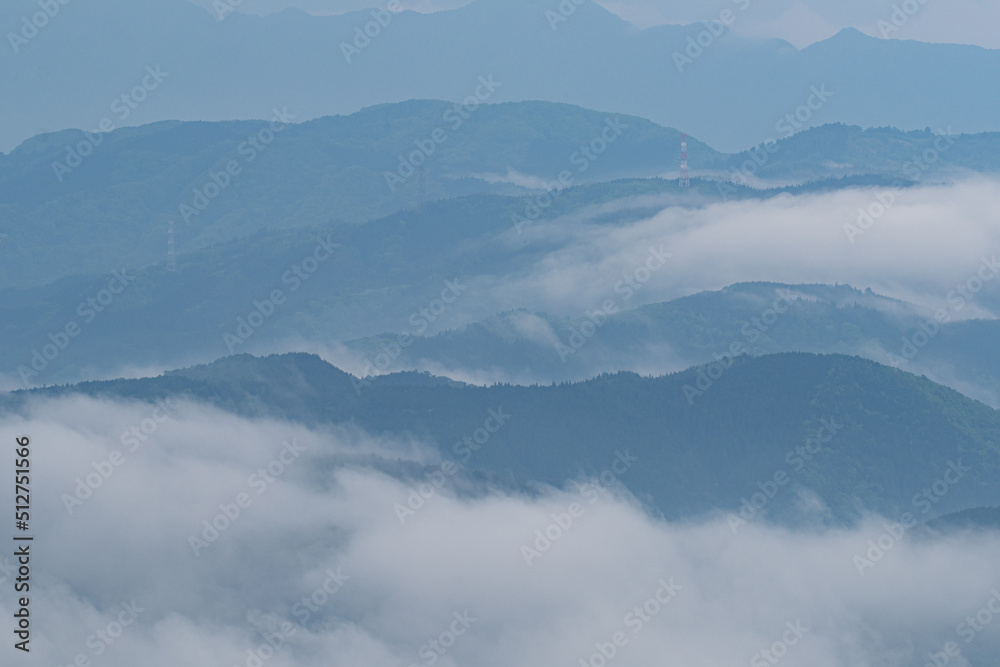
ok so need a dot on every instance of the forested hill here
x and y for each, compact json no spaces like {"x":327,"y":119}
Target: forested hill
{"x":701,"y":444}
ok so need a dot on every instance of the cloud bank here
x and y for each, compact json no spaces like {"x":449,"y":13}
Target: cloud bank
{"x":320,"y":564}
{"x":919,"y":246}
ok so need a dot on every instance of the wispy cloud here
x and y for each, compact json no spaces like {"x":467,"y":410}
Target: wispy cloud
{"x":931,"y":240}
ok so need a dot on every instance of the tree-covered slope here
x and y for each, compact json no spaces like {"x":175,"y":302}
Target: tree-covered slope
{"x":836,"y":149}
{"x":225,"y":180}
{"x":885,"y":435}
{"x":380,"y":273}
{"x":524,"y":347}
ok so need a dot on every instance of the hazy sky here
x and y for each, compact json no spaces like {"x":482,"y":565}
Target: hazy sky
{"x":799,"y":21}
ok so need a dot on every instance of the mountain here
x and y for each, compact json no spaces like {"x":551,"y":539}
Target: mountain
{"x":525,"y":347}
{"x":221,"y":181}
{"x":382,"y":271}
{"x":976,"y":518}
{"x":885,"y":434}
{"x":839,"y":149}
{"x":242,"y":66}
{"x":335,"y":282}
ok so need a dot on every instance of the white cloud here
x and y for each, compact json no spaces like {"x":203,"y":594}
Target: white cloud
{"x":406,"y":582}
{"x":929,"y":240}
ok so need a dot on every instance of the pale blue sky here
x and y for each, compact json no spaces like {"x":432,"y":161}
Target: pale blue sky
{"x":801,"y":22}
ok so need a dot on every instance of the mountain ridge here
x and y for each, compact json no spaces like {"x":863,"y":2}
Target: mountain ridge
{"x":888,"y":433}
{"x":358,"y":168}
{"x":595,"y":60}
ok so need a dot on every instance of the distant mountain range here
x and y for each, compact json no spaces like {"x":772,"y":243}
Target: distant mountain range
{"x":219,"y":301}
{"x":218,"y":181}
{"x":221,"y":181}
{"x":858,"y":436}
{"x":455,"y":253}
{"x":528,"y":347}
{"x":732,"y":93}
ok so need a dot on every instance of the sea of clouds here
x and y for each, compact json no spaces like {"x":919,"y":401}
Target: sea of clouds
{"x":320,"y":563}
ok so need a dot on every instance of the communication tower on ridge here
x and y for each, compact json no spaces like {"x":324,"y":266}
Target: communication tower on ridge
{"x":685,"y":181}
